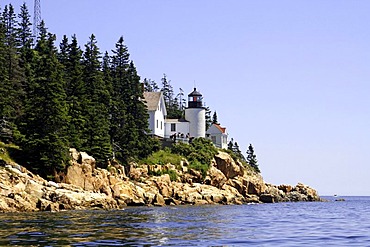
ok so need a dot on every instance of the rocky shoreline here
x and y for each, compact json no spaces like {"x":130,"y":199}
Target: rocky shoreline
{"x":86,"y":187}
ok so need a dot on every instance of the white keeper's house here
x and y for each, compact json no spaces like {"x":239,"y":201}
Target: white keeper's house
{"x":192,"y":126}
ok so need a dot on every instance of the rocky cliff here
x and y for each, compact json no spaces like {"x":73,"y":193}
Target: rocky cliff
{"x":86,"y":187}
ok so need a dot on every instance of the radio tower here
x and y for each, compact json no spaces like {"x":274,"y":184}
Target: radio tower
{"x":36,"y":19}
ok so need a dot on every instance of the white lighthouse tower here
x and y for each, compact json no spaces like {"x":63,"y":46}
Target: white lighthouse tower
{"x":195,"y":113}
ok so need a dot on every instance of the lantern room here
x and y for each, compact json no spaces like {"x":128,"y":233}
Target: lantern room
{"x":195,"y":99}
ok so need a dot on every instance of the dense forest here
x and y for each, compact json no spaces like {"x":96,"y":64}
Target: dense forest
{"x":53,"y":98}
{"x":56,"y":97}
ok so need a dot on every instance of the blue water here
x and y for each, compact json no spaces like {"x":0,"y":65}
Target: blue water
{"x":283,"y":224}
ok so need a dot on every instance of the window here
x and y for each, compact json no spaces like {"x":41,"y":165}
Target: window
{"x":157,"y":123}
{"x":213,"y":139}
{"x":173,"y":127}
{"x":161,"y":124}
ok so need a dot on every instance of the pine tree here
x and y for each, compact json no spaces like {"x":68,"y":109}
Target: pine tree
{"x":25,"y":32}
{"x":182,"y":99}
{"x":137,"y":112}
{"x":237,"y":151}
{"x":129,"y":117}
{"x":97,"y":128}
{"x":173,"y":105}
{"x":26,"y":61}
{"x":107,"y":78}
{"x":4,"y":79}
{"x":63,"y":53}
{"x":167,"y":91}
{"x":11,"y":105}
{"x":150,"y":85}
{"x":46,"y":111}
{"x":75,"y":91}
{"x":120,"y":96}
{"x":208,"y":117}
{"x":25,"y":43}
{"x":230,"y":145}
{"x":252,"y":158}
{"x":214,"y":118}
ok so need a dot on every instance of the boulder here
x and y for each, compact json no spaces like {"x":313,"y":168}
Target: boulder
{"x":85,"y":187}
{"x":215,"y":177}
{"x":136,"y":172}
{"x":159,"y":200}
{"x":267,"y":198}
{"x":285,"y":188}
{"x":307,"y":191}
{"x":75,"y":155}
{"x":273,"y":190}
{"x":87,"y":160}
{"x":164,"y":185}
{"x":226,"y":164}
{"x":255,"y":184}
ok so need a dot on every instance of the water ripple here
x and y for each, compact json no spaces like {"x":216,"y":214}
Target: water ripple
{"x":285,"y":224}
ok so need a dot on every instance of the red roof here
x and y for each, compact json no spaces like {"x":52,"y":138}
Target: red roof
{"x":222,"y":129}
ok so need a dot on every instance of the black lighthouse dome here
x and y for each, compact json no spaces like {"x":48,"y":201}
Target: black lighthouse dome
{"x":195,"y":99}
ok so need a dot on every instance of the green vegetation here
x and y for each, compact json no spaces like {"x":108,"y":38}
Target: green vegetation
{"x":171,"y":173}
{"x":11,"y":153}
{"x":53,"y":99}
{"x":252,"y":158}
{"x":199,"y":153}
{"x":6,"y":150}
{"x":163,"y":157}
{"x":203,"y":168}
{"x":235,"y":153}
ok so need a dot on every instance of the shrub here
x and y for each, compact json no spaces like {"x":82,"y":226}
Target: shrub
{"x":10,"y":152}
{"x":183,"y":149}
{"x":162,"y":157}
{"x":171,"y":173}
{"x":203,"y":168}
{"x":199,"y":153}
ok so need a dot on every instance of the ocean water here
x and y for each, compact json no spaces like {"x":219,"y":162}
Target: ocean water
{"x":333,"y":223}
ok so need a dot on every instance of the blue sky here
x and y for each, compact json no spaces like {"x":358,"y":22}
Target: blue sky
{"x":290,"y":77}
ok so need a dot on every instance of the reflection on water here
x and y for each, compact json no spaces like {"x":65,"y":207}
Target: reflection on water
{"x":283,"y":224}
{"x":130,"y":227}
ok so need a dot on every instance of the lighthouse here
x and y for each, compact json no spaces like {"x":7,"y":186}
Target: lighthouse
{"x":195,"y":113}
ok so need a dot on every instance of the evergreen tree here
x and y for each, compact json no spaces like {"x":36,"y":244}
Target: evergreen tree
{"x":137,"y":114}
{"x":97,"y":128}
{"x":182,"y":99}
{"x":150,"y":85}
{"x":25,"y":43}
{"x":25,"y":32}
{"x":208,"y":117}
{"x":120,"y":96}
{"x":214,"y":118}
{"x":230,"y":145}
{"x":173,"y":105}
{"x":252,"y":158}
{"x":107,"y":78}
{"x":167,"y":91}
{"x":75,"y":89}
{"x":129,"y":117}
{"x":11,"y":105}
{"x":5,"y":86}
{"x":46,"y":111}
{"x":26,"y":54}
{"x":237,"y":151}
{"x":63,"y":53}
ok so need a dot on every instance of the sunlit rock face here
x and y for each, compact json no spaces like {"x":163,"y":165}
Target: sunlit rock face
{"x":86,"y":187}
